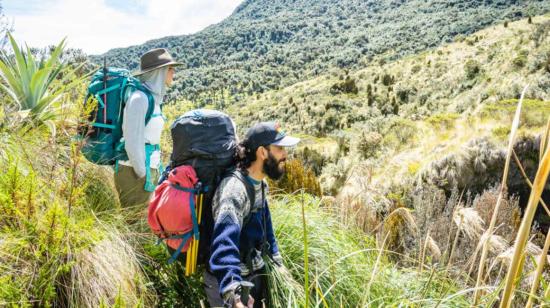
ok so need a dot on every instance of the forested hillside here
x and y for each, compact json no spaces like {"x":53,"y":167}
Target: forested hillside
{"x":270,"y":44}
{"x":486,"y":67}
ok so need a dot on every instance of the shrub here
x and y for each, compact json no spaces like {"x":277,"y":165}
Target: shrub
{"x":472,"y":68}
{"x":312,"y":159}
{"x":399,"y":133}
{"x":387,"y":79}
{"x":521,"y":59}
{"x":54,"y":254}
{"x":445,"y":120}
{"x":501,"y":132}
{"x":416,"y":68}
{"x":32,"y":85}
{"x":369,"y":144}
{"x":343,"y":141}
{"x":348,"y":86}
{"x":298,"y":177}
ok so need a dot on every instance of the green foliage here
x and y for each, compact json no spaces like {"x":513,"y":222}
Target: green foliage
{"x":343,"y":141}
{"x":501,"y":132}
{"x":369,"y":144}
{"x":472,"y":68}
{"x":443,"y":120}
{"x":312,"y":159}
{"x":296,"y":178}
{"x":100,"y":196}
{"x":38,"y":231}
{"x":387,"y":80}
{"x":534,"y":112}
{"x":521,"y":59}
{"x":348,"y":86}
{"x":399,"y":132}
{"x":172,"y":288}
{"x":541,"y":31}
{"x":31,"y":84}
{"x":344,"y":268}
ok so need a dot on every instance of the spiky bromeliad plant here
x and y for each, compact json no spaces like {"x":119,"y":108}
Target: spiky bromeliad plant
{"x":33,"y":86}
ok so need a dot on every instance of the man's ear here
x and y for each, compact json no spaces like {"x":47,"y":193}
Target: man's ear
{"x":263,"y":152}
{"x":260,"y":152}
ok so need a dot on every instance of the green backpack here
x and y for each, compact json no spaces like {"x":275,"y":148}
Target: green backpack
{"x":110,"y":87}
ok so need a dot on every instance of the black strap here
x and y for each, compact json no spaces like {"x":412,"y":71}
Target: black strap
{"x":265,"y":245}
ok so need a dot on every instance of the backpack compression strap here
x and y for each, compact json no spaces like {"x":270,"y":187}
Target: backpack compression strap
{"x":195,"y":231}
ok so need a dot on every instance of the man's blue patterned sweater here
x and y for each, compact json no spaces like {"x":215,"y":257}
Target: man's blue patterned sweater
{"x":236,"y":248}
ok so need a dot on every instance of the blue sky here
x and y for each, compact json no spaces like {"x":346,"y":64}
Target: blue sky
{"x":96,"y":26}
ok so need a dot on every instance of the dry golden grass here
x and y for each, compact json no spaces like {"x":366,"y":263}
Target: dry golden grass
{"x":110,"y":269}
{"x":523,"y":233}
{"x":515,"y":125}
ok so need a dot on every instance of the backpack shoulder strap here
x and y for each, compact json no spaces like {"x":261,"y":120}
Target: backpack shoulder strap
{"x":249,"y":191}
{"x":135,"y":84}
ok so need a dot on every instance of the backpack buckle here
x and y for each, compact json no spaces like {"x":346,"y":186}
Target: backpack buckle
{"x":198,"y":187}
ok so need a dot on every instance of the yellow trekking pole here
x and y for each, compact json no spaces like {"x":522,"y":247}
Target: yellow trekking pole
{"x":189,"y":255}
{"x":188,"y":258}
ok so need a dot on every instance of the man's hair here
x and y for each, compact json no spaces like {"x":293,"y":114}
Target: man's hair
{"x":246,"y":155}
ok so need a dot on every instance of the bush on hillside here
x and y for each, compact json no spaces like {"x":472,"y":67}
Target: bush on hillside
{"x":348,"y":86}
{"x":297,"y":177}
{"x":312,"y":159}
{"x":398,"y":132}
{"x":475,"y":168}
{"x":521,"y":59}
{"x":472,"y":68}
{"x":387,"y":80}
{"x":445,"y":120}
{"x":369,"y":144}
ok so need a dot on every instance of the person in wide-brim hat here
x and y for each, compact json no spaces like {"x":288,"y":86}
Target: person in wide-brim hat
{"x":135,"y":177}
{"x":156,"y":58}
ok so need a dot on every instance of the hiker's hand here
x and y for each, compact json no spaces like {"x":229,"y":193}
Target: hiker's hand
{"x":239,"y":304}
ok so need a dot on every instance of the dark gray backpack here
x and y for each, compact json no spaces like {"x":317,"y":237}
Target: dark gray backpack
{"x":205,"y":140}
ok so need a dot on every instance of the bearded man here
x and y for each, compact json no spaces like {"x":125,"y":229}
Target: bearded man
{"x":243,"y":233}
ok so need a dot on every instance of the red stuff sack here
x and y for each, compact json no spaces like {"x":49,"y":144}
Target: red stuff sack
{"x":172,"y":215}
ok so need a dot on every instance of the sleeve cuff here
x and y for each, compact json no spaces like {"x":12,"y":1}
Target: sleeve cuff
{"x":277,"y":259}
{"x":228,"y":293}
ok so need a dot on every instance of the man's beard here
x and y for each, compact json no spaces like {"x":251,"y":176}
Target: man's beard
{"x":271,"y":167}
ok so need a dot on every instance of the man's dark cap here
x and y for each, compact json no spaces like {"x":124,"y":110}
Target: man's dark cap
{"x":268,"y":133}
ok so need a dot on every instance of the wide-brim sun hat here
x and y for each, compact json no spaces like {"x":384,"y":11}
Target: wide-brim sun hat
{"x":156,"y":58}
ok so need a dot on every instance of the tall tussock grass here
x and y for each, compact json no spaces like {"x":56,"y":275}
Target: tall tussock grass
{"x":54,"y":251}
{"x":346,"y":268}
{"x":50,"y":257}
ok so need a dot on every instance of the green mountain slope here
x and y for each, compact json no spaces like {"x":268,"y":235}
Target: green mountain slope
{"x":269,"y":44}
{"x":488,"y":66}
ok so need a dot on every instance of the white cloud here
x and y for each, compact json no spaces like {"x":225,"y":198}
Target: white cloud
{"x":95,"y":27}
